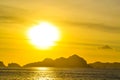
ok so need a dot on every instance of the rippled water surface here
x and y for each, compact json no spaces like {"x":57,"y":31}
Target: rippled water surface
{"x":59,"y":74}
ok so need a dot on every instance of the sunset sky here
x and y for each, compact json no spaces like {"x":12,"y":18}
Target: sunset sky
{"x":88,"y":28}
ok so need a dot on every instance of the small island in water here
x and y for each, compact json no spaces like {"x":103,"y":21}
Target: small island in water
{"x":73,"y":61}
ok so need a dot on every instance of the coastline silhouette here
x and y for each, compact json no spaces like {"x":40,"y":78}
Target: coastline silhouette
{"x":73,"y":61}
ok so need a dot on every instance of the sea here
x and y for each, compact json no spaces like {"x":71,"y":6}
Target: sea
{"x":45,"y":73}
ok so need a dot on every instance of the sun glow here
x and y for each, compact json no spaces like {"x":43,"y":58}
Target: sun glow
{"x":43,"y":35}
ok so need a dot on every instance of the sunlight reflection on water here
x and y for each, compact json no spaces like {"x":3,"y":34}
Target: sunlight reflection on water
{"x":45,"y":73}
{"x":42,"y":68}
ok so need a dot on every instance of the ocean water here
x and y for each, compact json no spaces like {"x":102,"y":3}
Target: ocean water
{"x":58,"y":74}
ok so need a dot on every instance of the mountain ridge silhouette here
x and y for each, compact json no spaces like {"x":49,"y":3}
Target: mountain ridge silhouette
{"x":73,"y":61}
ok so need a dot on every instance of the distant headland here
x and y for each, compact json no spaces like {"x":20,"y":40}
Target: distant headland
{"x":73,"y":61}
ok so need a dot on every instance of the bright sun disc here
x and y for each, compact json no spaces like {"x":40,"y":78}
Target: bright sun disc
{"x":43,"y":35}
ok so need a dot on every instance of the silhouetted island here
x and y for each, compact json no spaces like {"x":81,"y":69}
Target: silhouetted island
{"x":73,"y":61}
{"x":2,"y":64}
{"x":10,"y":65}
{"x":107,"y":65}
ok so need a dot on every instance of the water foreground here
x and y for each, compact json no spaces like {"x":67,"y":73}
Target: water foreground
{"x":44,"y":73}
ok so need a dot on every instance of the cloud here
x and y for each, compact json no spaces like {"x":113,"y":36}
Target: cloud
{"x":10,"y":14}
{"x":78,"y":43}
{"x":10,"y":19}
{"x":93,"y":25}
{"x":107,"y":47}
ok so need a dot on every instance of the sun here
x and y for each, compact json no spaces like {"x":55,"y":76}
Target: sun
{"x":44,"y":35}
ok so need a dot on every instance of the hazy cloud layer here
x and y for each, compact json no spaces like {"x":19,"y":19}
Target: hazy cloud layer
{"x":78,"y":43}
{"x":10,"y":14}
{"x":96,"y":26}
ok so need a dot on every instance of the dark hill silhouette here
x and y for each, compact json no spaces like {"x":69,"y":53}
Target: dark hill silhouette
{"x":60,"y":62}
{"x":13,"y":65}
{"x":2,"y":64}
{"x":72,"y":61}
{"x":48,"y":62}
{"x":76,"y":61}
{"x":114,"y":65}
